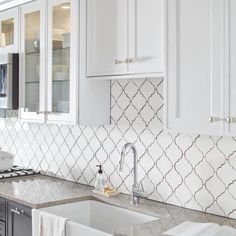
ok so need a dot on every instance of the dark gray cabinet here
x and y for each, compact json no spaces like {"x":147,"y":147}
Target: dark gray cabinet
{"x":2,"y":217}
{"x":2,"y":228}
{"x":19,"y":220}
{"x":15,"y":219}
{"x":2,"y":209}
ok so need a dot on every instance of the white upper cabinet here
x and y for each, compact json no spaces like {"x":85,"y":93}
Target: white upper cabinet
{"x":124,"y":38}
{"x":146,"y":36}
{"x":6,"y":4}
{"x":231,"y":65}
{"x":62,"y":61}
{"x":53,"y":64}
{"x":32,"y":61}
{"x":9,"y":32}
{"x":107,"y":37}
{"x":194,"y":66}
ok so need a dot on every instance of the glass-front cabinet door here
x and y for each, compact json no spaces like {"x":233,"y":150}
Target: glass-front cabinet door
{"x":62,"y":43}
{"x":33,"y":56}
{"x":9,"y":24}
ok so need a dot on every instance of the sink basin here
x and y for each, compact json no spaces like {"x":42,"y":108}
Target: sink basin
{"x":93,"y":218}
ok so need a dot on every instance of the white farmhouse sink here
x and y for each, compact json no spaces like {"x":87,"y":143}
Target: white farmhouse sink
{"x":92,"y":218}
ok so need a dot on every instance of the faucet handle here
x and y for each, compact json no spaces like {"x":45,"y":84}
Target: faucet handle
{"x":141,"y":190}
{"x":138,"y":190}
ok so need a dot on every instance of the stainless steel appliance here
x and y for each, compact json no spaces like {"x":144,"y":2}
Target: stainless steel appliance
{"x":9,"y":81}
{"x":17,"y":171}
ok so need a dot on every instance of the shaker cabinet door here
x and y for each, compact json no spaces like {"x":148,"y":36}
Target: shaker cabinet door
{"x":19,"y":220}
{"x":32,"y":61}
{"x":106,"y":37}
{"x":9,"y":32}
{"x":146,"y":41}
{"x":2,"y":229}
{"x":2,"y":209}
{"x":195,"y":48}
{"x":231,"y":65}
{"x":63,"y":61}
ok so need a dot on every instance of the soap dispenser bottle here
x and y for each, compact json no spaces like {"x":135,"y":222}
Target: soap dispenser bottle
{"x":100,"y":182}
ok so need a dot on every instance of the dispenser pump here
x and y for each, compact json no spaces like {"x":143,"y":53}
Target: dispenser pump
{"x":100,"y":181}
{"x":100,"y":169}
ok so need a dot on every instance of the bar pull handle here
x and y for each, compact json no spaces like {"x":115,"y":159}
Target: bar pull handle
{"x":127,"y":60}
{"x":16,"y":211}
{"x":231,"y":120}
{"x":213,"y":119}
{"x":43,"y":112}
{"x":117,"y":62}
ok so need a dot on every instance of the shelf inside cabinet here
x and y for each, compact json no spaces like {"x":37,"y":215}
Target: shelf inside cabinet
{"x":53,"y":81}
{"x":32,"y":82}
{"x":60,"y":81}
{"x":67,"y":49}
{"x":32,"y":53}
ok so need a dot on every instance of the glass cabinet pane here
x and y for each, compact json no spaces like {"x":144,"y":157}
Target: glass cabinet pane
{"x":61,"y":58}
{"x":32,"y":61}
{"x":7,"y":34}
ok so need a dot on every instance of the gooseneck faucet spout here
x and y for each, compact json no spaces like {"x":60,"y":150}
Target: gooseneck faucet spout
{"x":135,"y":188}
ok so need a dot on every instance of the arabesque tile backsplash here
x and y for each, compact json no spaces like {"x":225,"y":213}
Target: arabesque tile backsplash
{"x":192,"y":171}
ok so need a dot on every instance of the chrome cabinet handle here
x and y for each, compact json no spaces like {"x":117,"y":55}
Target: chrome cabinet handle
{"x":117,"y":62}
{"x":213,"y":119}
{"x":127,"y":60}
{"x":43,"y":112}
{"x":16,"y":211}
{"x":40,"y":112}
{"x":231,"y":120}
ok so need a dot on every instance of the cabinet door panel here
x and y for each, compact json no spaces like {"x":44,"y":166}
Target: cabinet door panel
{"x":231,"y":42}
{"x":107,"y":37}
{"x":32,"y":61}
{"x":2,"y":229}
{"x":146,"y":40}
{"x":2,"y":209}
{"x":19,"y":220}
{"x":194,"y":65}
{"x":9,"y":23}
{"x":63,"y":61}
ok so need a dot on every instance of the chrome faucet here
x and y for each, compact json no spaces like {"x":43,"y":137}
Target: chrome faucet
{"x":136,"y":192}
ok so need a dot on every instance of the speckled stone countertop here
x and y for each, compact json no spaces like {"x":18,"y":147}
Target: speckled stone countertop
{"x":43,"y":191}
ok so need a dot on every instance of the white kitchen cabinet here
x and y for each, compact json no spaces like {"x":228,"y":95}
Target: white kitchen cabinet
{"x":53,"y":85}
{"x":7,"y":4}
{"x":195,"y":66}
{"x":145,"y":35}
{"x":32,"y":61}
{"x":107,"y":37}
{"x":230,"y":72}
{"x":62,"y":60}
{"x":124,"y":38}
{"x":9,"y":23}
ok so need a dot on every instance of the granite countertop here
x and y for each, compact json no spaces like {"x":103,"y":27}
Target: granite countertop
{"x":42,"y":191}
